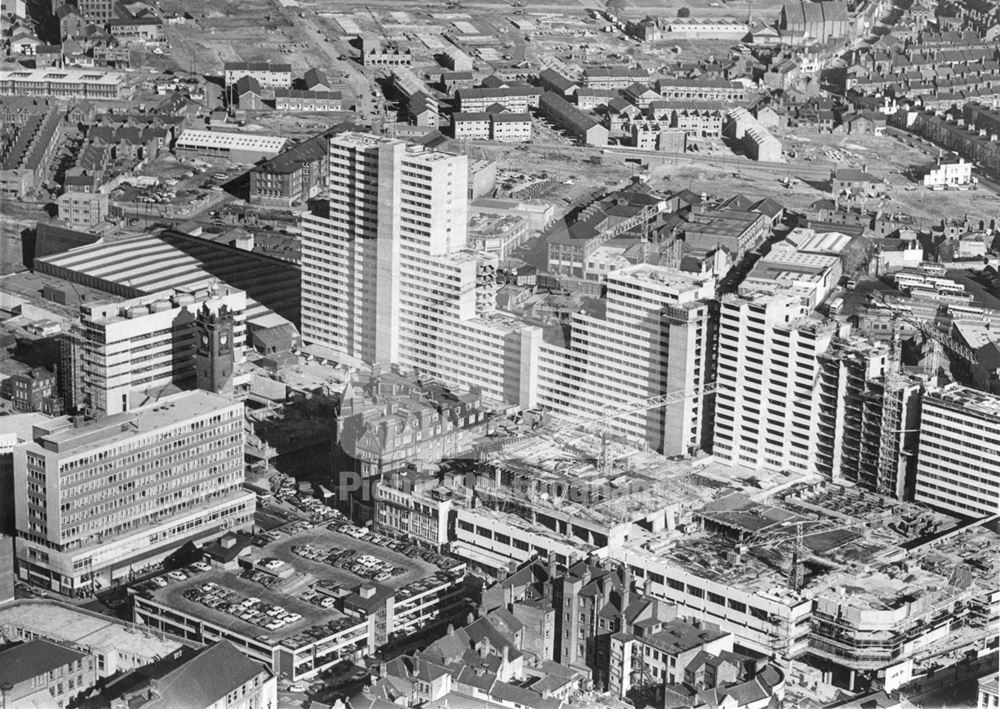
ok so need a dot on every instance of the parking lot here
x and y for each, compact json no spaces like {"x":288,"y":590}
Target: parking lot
{"x":322,"y":538}
{"x":232,"y":590}
{"x":288,"y":592}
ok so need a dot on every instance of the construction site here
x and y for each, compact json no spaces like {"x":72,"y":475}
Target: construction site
{"x":604,"y":487}
{"x":847,"y":582}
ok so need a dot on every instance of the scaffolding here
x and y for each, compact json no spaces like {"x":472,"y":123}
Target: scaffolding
{"x":888,"y":454}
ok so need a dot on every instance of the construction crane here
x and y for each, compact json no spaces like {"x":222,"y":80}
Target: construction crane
{"x":888,"y":453}
{"x":585,"y":423}
{"x":894,"y":385}
{"x":877,"y":298}
{"x":795,"y":532}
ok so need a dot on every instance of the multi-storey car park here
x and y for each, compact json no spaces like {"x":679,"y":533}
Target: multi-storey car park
{"x":328,"y":613}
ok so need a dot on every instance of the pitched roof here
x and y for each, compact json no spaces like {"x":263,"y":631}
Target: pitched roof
{"x":247,"y":84}
{"x":204,"y":679}
{"x":315,"y":77}
{"x":767,"y":207}
{"x":851,"y":174}
{"x":257,"y":66}
{"x":556,"y":80}
{"x":33,"y":658}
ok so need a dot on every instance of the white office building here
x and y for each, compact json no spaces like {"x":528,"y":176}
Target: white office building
{"x":119,"y":351}
{"x":768,"y":375}
{"x":653,"y":338}
{"x":98,"y":500}
{"x":387,"y":277}
{"x":958,"y":463}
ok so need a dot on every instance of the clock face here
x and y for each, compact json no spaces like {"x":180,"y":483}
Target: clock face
{"x":224,"y":338}
{"x":204,"y":340}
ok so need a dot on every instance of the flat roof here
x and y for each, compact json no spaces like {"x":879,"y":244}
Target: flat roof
{"x":641,"y":484}
{"x":282,"y":594}
{"x":674,"y":281}
{"x":66,"y":439}
{"x":969,"y":399}
{"x":17,"y":428}
{"x":536,"y":528}
{"x":414,"y":151}
{"x":490,"y":223}
{"x":110,"y":310}
{"x":711,"y":557}
{"x":82,"y":628}
{"x":976,"y":333}
{"x":858,"y":549}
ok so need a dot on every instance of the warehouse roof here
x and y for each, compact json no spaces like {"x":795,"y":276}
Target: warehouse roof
{"x":195,"y":139}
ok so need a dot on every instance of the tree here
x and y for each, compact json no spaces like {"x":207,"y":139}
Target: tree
{"x":683,"y":12}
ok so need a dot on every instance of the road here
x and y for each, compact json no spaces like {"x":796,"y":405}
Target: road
{"x":723,"y":162}
{"x":953,"y":686}
{"x":333,"y":47}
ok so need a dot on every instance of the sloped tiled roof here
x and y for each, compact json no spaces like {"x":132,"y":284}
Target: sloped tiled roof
{"x":36,"y":657}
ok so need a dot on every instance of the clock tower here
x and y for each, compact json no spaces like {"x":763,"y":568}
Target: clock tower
{"x":214,"y":355}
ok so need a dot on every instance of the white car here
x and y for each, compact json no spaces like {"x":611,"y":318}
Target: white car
{"x":177,"y":575}
{"x":201,"y":566}
{"x":159,"y":581}
{"x":292,"y":618}
{"x":272,"y":564}
{"x":275,"y":625}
